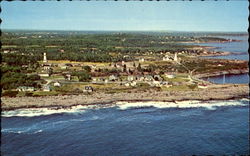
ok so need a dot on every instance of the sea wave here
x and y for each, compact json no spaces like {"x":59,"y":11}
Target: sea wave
{"x":211,"y":105}
{"x":31,"y":112}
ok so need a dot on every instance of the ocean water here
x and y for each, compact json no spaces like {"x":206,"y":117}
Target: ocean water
{"x":240,"y":49}
{"x":229,"y":78}
{"x":149,"y":128}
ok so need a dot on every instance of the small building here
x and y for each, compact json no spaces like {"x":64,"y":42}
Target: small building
{"x":94,"y":80}
{"x":202,"y":86}
{"x":166,"y":58}
{"x":170,"y":76}
{"x":113,"y":78}
{"x":127,"y":84}
{"x":68,"y":77}
{"x":6,"y":51}
{"x":140,"y":78}
{"x":47,"y":88}
{"x":44,"y":74}
{"x":156,"y":83}
{"x":133,"y":83}
{"x":57,"y":84}
{"x":106,"y":80}
{"x":141,"y":60}
{"x":148,"y":78}
{"x":88,"y":89}
{"x":46,"y":67}
{"x":131,"y":78}
{"x":25,"y":89}
{"x":64,"y":67}
{"x":158,"y":78}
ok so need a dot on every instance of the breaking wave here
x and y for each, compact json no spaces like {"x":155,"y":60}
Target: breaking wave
{"x":211,"y":105}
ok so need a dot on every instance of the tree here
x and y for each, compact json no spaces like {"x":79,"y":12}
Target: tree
{"x":139,"y":67}
{"x":83,"y":76}
{"x":124,"y":68}
{"x":87,"y":68}
{"x":34,"y":77}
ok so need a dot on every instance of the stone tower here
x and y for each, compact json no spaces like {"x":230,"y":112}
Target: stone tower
{"x":45,"y":58}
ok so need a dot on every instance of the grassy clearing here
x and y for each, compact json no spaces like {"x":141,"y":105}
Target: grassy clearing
{"x":42,"y":93}
{"x":51,"y":46}
{"x":177,"y":88}
{"x":33,"y":46}
{"x":9,"y":46}
{"x":176,"y":79}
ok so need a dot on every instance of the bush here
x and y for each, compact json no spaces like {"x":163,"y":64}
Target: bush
{"x":87,"y":68}
{"x":10,"y":93}
{"x":77,"y":91}
{"x":34,"y":77}
{"x":82,"y":76}
{"x":192,"y":86}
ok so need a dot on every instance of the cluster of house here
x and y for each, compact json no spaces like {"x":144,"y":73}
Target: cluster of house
{"x":132,"y":80}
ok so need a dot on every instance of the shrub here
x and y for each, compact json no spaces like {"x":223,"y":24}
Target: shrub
{"x":192,"y":86}
{"x":10,"y":93}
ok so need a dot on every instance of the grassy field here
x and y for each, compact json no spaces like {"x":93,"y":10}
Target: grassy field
{"x":9,"y":46}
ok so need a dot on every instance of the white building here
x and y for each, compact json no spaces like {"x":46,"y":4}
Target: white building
{"x":44,"y":74}
{"x":57,"y":84}
{"x":141,"y":60}
{"x":170,"y":76}
{"x":133,"y":83}
{"x":25,"y":89}
{"x":47,"y":88}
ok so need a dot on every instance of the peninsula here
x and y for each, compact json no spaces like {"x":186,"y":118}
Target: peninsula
{"x":63,"y":69}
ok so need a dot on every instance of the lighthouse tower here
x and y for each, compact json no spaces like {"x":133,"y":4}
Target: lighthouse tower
{"x":175,"y":57}
{"x":45,"y":58}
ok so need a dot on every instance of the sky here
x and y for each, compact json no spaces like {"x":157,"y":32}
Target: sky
{"x":229,"y":16}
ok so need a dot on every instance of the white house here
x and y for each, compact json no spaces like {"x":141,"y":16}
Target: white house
{"x":25,"y":89}
{"x":141,"y":60}
{"x":88,"y":89}
{"x":44,"y":74}
{"x":131,"y":78}
{"x":47,"y":88}
{"x":57,"y":84}
{"x":170,"y":76}
{"x":127,"y":84}
{"x":133,"y":83}
{"x":112,"y":78}
{"x":202,"y":86}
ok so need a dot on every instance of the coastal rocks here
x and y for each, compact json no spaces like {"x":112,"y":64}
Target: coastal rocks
{"x":213,"y":92}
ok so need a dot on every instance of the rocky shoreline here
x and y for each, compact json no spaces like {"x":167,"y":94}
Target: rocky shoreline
{"x":212,"y":92}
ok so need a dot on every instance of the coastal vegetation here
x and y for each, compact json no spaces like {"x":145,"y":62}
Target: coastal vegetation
{"x":64,"y":63}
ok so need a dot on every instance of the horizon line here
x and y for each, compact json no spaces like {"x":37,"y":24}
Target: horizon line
{"x":10,"y":29}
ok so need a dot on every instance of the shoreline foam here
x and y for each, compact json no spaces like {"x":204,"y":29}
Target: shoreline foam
{"x":122,"y":105}
{"x":212,"y":92}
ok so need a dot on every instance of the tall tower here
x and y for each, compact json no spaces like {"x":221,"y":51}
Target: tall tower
{"x":175,"y":57}
{"x":45,"y":58}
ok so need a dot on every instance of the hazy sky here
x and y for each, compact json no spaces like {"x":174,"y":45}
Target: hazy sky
{"x":111,"y":15}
